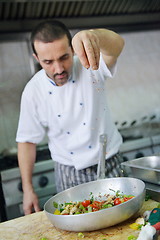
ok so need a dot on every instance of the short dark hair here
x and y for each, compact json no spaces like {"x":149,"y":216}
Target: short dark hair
{"x":48,"y":31}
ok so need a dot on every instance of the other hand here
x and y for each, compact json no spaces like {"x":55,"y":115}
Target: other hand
{"x":30,"y":202}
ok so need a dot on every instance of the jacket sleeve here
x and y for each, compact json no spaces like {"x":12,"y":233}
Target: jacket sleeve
{"x":30,"y":128}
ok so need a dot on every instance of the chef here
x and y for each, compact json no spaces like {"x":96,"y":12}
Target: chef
{"x":67,"y":101}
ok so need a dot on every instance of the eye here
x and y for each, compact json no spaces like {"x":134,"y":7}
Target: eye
{"x":65,"y":57}
{"x":48,"y":62}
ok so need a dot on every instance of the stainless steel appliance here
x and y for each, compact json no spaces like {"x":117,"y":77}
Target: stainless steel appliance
{"x":43,"y":182}
{"x":22,"y":15}
{"x":142,"y":143}
{"x":145,"y":168}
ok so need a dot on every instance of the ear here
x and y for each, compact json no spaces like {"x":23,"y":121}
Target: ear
{"x":36,"y":57}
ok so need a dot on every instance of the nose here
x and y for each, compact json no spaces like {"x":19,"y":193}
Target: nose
{"x":58,"y":67}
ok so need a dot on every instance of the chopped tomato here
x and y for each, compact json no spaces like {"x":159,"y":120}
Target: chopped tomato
{"x":127,"y":198}
{"x":96,"y":204}
{"x":95,"y":209}
{"x":86,"y":203}
{"x":117,"y":201}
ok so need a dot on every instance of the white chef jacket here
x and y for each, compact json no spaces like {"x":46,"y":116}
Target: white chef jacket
{"x":73,"y":116}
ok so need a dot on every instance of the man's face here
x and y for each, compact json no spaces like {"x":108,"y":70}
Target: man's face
{"x":56,"y":58}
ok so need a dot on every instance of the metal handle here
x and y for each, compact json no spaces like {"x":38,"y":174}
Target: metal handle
{"x":102,"y":157}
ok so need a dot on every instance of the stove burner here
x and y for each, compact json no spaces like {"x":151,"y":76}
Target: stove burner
{"x":144,"y":130}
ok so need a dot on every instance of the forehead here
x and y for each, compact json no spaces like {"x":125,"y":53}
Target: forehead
{"x":52,"y":50}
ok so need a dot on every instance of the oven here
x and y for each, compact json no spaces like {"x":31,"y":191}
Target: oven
{"x":11,"y":185}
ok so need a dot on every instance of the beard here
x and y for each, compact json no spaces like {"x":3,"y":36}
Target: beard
{"x":61,"y":79}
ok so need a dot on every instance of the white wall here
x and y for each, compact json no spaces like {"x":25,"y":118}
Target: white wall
{"x":15,"y":71}
{"x":135,"y":90}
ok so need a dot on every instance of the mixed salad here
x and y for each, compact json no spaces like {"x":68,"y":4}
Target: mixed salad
{"x":92,"y":204}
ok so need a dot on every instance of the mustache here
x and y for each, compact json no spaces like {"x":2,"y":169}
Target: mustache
{"x":58,"y":74}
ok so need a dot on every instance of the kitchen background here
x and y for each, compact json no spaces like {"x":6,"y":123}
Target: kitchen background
{"x":133,"y":94}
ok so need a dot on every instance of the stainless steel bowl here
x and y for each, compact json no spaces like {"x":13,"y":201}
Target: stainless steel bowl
{"x":103,"y":218}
